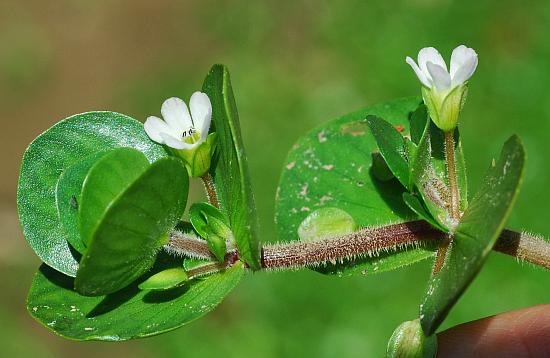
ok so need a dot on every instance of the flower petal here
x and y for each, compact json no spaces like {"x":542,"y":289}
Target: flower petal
{"x":440,"y":77}
{"x":465,"y":71}
{"x":201,"y":112}
{"x":154,"y":126}
{"x":430,"y":54}
{"x":460,"y":56}
{"x":176,"y":143}
{"x":175,"y":113}
{"x":421,"y":76}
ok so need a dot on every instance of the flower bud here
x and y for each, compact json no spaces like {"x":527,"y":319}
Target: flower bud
{"x":408,"y":341}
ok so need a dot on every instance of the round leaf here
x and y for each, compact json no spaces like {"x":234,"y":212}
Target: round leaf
{"x":68,"y":193}
{"x":108,"y":178}
{"x":135,"y":226}
{"x":127,"y":314}
{"x":326,"y":222}
{"x":60,"y":147}
{"x":331,"y":167}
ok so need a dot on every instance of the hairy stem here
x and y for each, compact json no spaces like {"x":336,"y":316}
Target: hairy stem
{"x":213,"y":267}
{"x":451,"y":174}
{"x":363,"y":243}
{"x":441,"y":254}
{"x":455,"y":199}
{"x":292,"y":255}
{"x":524,"y":246}
{"x":185,"y":245}
{"x":208,"y":182}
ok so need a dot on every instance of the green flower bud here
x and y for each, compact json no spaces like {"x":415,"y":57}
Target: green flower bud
{"x":165,"y":280}
{"x":408,"y":341}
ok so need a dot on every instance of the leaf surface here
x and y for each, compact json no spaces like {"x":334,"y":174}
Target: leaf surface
{"x":230,"y":167}
{"x":475,"y":235}
{"x":127,"y":314}
{"x":331,"y":167}
{"x":133,"y":228}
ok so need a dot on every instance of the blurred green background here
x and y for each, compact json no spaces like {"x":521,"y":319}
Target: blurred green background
{"x":294,"y":65}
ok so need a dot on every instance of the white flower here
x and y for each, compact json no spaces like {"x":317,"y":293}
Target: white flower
{"x":432,"y":69}
{"x":444,"y":92}
{"x":179,"y":129}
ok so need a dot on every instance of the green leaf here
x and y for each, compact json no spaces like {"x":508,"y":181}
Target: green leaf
{"x":164,"y":280}
{"x":68,"y":193}
{"x":439,"y":163}
{"x":392,"y":147}
{"x":416,"y":205}
{"x":191,"y":263}
{"x":384,"y":262}
{"x":127,"y":314}
{"x":135,"y":225}
{"x":199,"y":213}
{"x":60,"y":147}
{"x":107,"y":179}
{"x":431,"y":184}
{"x":331,"y":167}
{"x":429,"y":171}
{"x":380,"y":169}
{"x":217,"y":246}
{"x":326,"y":222}
{"x":211,"y":224}
{"x":418,"y":120}
{"x":475,"y":235}
{"x":230,"y":167}
{"x":437,"y":143}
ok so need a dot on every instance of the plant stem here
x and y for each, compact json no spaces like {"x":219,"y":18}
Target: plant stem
{"x":366,"y":242}
{"x":524,"y":246}
{"x":455,"y":199}
{"x":451,"y":174}
{"x":213,"y":267}
{"x":363,"y":243}
{"x":210,"y":187}
{"x":441,"y":254}
{"x":183,"y":245}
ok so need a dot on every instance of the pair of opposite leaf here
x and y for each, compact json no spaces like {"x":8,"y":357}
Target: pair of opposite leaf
{"x":126,"y":206}
{"x":186,"y":135}
{"x":413,"y":163}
